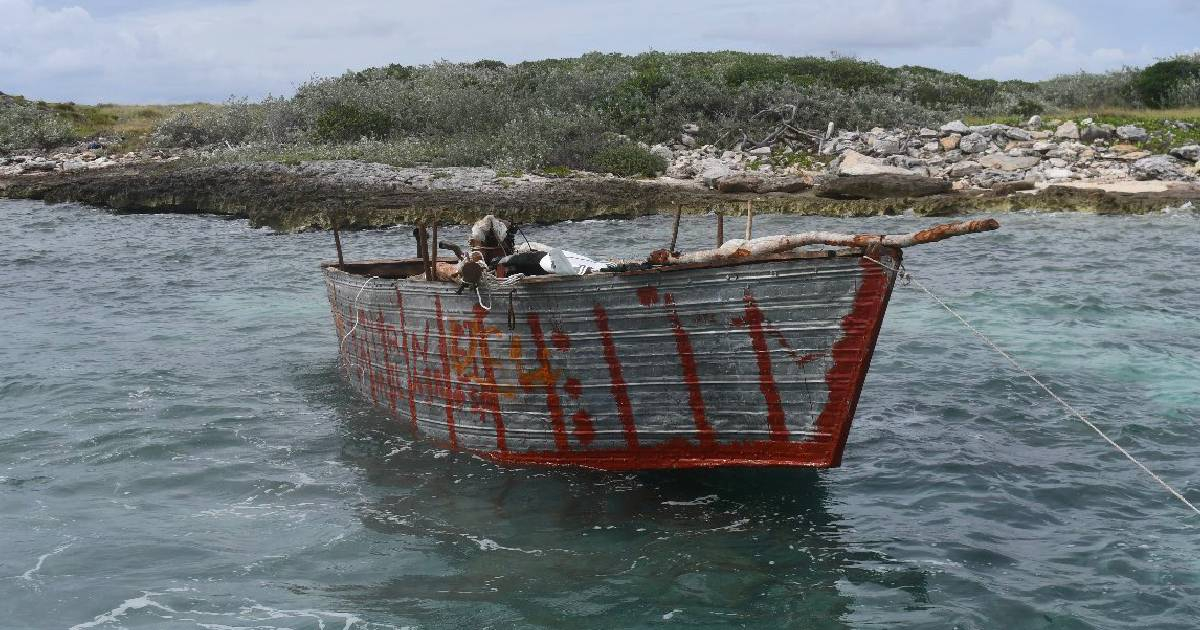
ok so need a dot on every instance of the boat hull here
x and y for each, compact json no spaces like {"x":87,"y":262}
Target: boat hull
{"x":743,"y":364}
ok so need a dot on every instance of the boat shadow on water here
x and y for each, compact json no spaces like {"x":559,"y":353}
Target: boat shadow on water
{"x":475,"y":542}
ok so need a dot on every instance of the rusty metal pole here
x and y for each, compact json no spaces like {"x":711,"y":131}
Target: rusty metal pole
{"x":337,"y":241}
{"x":675,"y":228}
{"x":749,"y":219}
{"x":720,"y":228}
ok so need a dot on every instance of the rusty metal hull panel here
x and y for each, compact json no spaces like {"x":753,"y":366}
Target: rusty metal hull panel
{"x":750,"y":364}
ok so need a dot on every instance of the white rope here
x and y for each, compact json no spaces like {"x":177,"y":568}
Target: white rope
{"x":907,"y":276}
{"x":354,"y":307}
{"x":490,"y":283}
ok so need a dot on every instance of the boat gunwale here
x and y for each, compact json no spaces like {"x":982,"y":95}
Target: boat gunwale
{"x":793,"y":256}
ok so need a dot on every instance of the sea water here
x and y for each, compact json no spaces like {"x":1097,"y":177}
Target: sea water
{"x":178,"y":449}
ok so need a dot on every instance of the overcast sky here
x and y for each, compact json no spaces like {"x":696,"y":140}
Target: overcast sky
{"x":187,"y":50}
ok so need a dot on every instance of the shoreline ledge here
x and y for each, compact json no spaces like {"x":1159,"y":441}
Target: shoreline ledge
{"x":299,"y":197}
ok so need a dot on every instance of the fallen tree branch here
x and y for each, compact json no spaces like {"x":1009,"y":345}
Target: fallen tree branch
{"x":767,"y":245}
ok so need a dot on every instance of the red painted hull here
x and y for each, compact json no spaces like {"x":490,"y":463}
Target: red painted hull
{"x":756,"y":363}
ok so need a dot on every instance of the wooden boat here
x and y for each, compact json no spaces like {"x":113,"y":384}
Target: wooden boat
{"x":755,"y":360}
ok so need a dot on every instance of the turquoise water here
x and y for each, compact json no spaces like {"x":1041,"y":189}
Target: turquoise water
{"x":177,"y":450}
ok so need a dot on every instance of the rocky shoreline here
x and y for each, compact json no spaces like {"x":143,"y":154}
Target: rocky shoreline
{"x":957,"y":169}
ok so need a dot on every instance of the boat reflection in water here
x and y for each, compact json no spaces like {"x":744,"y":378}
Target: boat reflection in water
{"x":471,"y":543}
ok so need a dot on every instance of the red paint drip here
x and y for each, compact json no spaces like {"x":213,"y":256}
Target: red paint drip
{"x":846,"y":377}
{"x":412,"y":404}
{"x":648,"y":296}
{"x":561,"y":341}
{"x":444,"y":351}
{"x":553,"y":404}
{"x":754,"y":320}
{"x":491,"y":392}
{"x":584,"y":430}
{"x":385,"y":339}
{"x":687,"y":360}
{"x":574,"y":388}
{"x":619,"y":391}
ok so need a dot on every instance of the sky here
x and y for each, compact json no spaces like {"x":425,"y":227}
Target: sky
{"x":174,"y":51}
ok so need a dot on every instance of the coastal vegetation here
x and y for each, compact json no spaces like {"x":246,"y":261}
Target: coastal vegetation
{"x":596,"y":112}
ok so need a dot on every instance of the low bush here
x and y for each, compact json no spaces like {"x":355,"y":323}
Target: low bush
{"x":628,"y":160}
{"x":28,"y":126}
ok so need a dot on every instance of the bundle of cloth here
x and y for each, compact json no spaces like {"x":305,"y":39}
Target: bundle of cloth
{"x":493,"y":238}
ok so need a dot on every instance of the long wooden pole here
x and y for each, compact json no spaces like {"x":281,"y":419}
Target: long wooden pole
{"x":749,"y":219}
{"x":675,"y":228}
{"x":720,"y":228}
{"x":774,"y":244}
{"x":433,"y":250}
{"x":337,"y":241}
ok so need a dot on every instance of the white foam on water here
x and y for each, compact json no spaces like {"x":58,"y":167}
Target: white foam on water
{"x":487,"y":544}
{"x":28,"y":575}
{"x":135,"y":603}
{"x":670,"y":615}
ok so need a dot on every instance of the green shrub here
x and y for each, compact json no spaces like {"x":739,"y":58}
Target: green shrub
{"x":1156,"y":83}
{"x":628,"y":160}
{"x":341,"y":123}
{"x":28,"y":126}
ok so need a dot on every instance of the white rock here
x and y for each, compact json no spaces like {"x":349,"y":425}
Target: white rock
{"x":1058,"y":173}
{"x":691,"y":128}
{"x":854,"y":163}
{"x":1003,"y":162}
{"x":687,"y":141}
{"x":761,"y":151}
{"x":1189,"y":152}
{"x":957,"y":126}
{"x":1068,"y":130}
{"x":1034,"y":122}
{"x":964,"y":168}
{"x":1132,"y":133}
{"x":711,"y":169}
{"x":973,"y":143}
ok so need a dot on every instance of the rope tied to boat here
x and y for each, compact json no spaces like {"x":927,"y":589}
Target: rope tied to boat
{"x":909,"y":278}
{"x":481,"y":279}
{"x":357,"y":314}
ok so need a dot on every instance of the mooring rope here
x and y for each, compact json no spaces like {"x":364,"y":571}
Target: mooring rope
{"x":908,"y":277}
{"x":354,"y":307}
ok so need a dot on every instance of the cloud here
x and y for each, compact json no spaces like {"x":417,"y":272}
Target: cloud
{"x":1046,"y":57}
{"x":181,"y":50}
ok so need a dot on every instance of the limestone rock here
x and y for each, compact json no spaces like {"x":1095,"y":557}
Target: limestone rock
{"x":1190,"y":152}
{"x":1132,"y":133}
{"x":854,"y":163}
{"x":950,"y":142}
{"x":973,"y":143}
{"x":957,"y":126}
{"x":1092,"y":133}
{"x":1068,"y":130}
{"x":882,"y":186}
{"x":691,"y":128}
{"x":711,"y":169}
{"x":886,"y":145}
{"x":1034,"y":122}
{"x":741,"y":182}
{"x":1002,"y":162}
{"x":964,"y":168}
{"x":687,"y":141}
{"x":1008,"y":188}
{"x":1160,"y":167}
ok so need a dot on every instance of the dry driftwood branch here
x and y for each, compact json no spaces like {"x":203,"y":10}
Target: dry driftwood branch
{"x":740,"y":248}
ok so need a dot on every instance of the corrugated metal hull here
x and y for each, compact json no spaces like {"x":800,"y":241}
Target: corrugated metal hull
{"x":746,"y":364}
